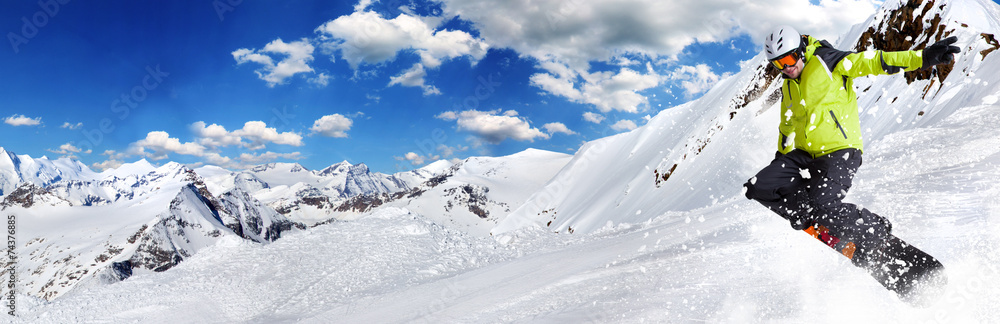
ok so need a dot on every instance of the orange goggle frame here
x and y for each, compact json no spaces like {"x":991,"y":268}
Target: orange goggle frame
{"x":782,"y":62}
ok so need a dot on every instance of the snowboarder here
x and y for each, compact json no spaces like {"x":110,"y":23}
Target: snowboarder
{"x":819,"y":143}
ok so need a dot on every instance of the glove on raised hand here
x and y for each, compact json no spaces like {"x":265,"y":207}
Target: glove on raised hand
{"x":940,"y":52}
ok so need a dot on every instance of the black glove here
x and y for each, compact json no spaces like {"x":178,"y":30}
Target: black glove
{"x":940,"y":52}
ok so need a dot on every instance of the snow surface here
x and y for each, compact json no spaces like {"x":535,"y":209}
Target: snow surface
{"x":688,"y":249}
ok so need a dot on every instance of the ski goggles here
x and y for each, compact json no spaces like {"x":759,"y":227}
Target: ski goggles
{"x":785,"y":61}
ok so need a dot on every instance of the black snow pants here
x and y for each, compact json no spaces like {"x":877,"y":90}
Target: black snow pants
{"x":809,"y":192}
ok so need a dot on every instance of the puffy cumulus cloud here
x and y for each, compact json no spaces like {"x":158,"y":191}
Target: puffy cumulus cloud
{"x":578,"y":32}
{"x":114,"y":160}
{"x":605,"y":90}
{"x":106,"y":165}
{"x":416,"y":159}
{"x":158,"y":145}
{"x":414,"y":77}
{"x":294,"y":58}
{"x":442,"y":152}
{"x":256,"y":132}
{"x":568,"y":36}
{"x":554,"y":128}
{"x":259,"y":134}
{"x":493,"y":126}
{"x":367,"y":37}
{"x":593,"y":117}
{"x":335,"y":125}
{"x":214,"y":135}
{"x":696,"y":79}
{"x":321,"y":80}
{"x":448,"y":151}
{"x":21,"y":120}
{"x":69,"y":150}
{"x":624,"y":125}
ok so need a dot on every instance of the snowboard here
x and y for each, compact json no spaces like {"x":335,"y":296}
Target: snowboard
{"x":915,"y":276}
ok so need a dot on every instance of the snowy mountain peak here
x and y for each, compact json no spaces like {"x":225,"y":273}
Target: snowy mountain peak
{"x":250,"y":182}
{"x":28,"y":195}
{"x":289,"y":167}
{"x":338,"y":168}
{"x":140,"y":167}
{"x":16,"y":169}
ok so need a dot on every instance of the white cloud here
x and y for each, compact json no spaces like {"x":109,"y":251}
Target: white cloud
{"x":69,"y":150}
{"x":447,"y":151}
{"x":579,"y":32}
{"x":443,"y":152}
{"x":593,"y":117}
{"x":158,"y":145}
{"x":256,"y":132}
{"x":624,"y":125}
{"x":321,"y":80}
{"x":335,"y":125}
{"x":448,"y":115}
{"x":259,"y":134}
{"x":494,"y":128}
{"x":114,"y":160}
{"x":217,"y":159}
{"x":571,"y":35}
{"x":416,"y":159}
{"x":296,"y":57}
{"x":109,"y":164}
{"x":21,"y":120}
{"x":414,"y":77}
{"x":363,"y":4}
{"x":605,"y":90}
{"x":564,"y":86}
{"x":367,"y":37}
{"x":69,"y":126}
{"x":214,"y":135}
{"x":553,"y":128}
{"x":696,"y":79}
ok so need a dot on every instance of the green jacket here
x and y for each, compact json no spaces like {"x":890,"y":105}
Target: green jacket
{"x":819,"y":110}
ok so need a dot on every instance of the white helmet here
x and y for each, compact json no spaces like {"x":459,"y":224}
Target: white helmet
{"x":782,"y":41}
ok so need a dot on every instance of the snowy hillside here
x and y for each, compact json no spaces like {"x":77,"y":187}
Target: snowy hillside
{"x":311,"y":197}
{"x":82,"y":228}
{"x":476,"y":194}
{"x":15,"y":169}
{"x":701,"y":153}
{"x":652,"y":224}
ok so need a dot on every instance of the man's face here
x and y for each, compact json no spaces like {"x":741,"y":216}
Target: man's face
{"x":795,"y":70}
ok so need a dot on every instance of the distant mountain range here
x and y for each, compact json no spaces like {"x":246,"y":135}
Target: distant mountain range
{"x":84,"y":227}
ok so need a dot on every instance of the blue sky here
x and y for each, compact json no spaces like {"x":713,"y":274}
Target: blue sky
{"x":393,"y":84}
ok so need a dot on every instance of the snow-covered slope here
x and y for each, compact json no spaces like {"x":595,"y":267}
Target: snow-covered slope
{"x":310,"y":197}
{"x":140,"y":216}
{"x":339,"y":181}
{"x":700,"y":153}
{"x":475,"y":194}
{"x":660,"y":231}
{"x":90,"y":232}
{"x":17,"y":169}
